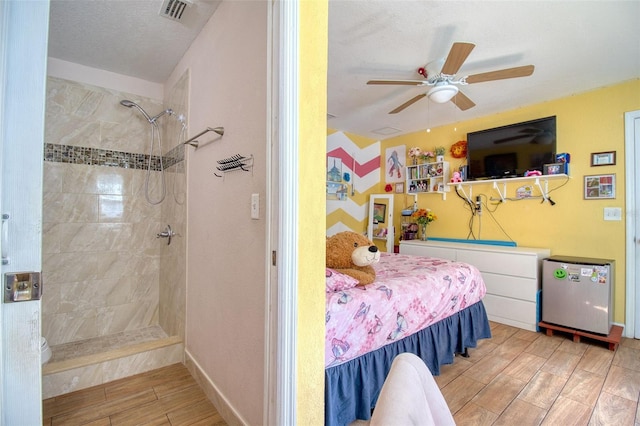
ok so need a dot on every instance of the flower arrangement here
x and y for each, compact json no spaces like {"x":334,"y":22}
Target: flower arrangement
{"x":428,"y":155}
{"x":439,"y":150}
{"x":415,"y":152}
{"x":424,"y":216}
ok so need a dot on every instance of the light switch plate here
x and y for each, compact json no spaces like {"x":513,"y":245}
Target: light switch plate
{"x":612,"y":213}
{"x":255,"y":206}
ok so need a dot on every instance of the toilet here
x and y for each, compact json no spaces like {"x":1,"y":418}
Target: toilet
{"x":45,"y":350}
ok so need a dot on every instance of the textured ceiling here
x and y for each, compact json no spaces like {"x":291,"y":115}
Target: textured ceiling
{"x":575,"y":46}
{"x":127,"y":37}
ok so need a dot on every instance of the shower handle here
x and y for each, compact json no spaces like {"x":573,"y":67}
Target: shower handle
{"x":167,"y":233}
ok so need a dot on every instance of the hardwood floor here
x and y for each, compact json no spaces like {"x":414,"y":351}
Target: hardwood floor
{"x":167,"y":396}
{"x":517,"y":377}
{"x":523,"y":378}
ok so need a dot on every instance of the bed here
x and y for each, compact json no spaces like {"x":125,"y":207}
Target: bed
{"x":427,"y":306}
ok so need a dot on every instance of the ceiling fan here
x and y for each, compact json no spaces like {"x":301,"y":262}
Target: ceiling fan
{"x":440,"y":75}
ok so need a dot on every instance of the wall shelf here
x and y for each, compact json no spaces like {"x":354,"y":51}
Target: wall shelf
{"x":428,"y":178}
{"x":500,"y":185}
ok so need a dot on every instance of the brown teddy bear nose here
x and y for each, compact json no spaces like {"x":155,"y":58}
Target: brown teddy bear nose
{"x":373,"y":249}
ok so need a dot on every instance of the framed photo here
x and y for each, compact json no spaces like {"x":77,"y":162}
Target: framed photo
{"x":603,"y":158}
{"x":598,"y":187}
{"x":400,"y":188}
{"x":337,"y":191}
{"x":379,"y":212}
{"x":554,"y":169}
{"x":334,"y":169}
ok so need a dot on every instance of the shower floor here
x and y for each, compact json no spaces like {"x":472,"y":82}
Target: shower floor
{"x":103,"y":344}
{"x":91,"y":362}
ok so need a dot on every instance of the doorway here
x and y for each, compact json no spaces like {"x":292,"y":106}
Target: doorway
{"x":632,"y":157}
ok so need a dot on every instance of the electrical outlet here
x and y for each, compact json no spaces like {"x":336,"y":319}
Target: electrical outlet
{"x":612,"y":213}
{"x":255,"y":206}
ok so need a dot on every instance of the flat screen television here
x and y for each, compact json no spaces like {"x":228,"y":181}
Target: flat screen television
{"x":510,"y":151}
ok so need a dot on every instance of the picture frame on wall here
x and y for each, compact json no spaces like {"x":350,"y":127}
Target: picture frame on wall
{"x":400,"y":188}
{"x":603,"y":158}
{"x":379,"y":212}
{"x":598,"y":187}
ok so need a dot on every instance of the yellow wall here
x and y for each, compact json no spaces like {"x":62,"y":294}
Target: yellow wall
{"x":586,"y":123}
{"x":312,"y":150}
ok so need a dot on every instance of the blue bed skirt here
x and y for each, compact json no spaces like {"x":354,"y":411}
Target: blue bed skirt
{"x":351,"y":389}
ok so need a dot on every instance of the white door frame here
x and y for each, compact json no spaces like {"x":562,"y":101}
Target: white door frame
{"x":286,"y":308}
{"x":24,"y":28}
{"x":632,"y":197}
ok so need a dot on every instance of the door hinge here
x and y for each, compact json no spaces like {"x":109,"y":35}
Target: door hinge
{"x":273,"y":258}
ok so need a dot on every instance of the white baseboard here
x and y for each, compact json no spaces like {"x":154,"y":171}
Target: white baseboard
{"x":224,"y":407}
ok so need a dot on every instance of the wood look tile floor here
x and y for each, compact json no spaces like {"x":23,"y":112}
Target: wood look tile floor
{"x":517,"y":377}
{"x":166,"y":396}
{"x":520,"y":377}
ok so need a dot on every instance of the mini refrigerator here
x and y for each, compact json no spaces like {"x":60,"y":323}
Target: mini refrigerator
{"x":577,"y":292}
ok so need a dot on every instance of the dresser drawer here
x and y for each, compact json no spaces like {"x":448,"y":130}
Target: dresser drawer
{"x":515,"y":264}
{"x":510,"y":286}
{"x":439,"y":252}
{"x":517,"y":313}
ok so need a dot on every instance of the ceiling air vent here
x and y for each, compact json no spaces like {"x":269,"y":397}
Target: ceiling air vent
{"x":174,"y":9}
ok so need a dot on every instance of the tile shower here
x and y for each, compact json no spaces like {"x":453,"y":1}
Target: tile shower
{"x":114,"y":294}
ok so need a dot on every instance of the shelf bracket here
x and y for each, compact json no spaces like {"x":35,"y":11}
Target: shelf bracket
{"x":544,"y":191}
{"x":468,"y":197}
{"x":503,"y":193}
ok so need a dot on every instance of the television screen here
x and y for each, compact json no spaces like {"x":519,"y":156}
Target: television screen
{"x":512,"y":150}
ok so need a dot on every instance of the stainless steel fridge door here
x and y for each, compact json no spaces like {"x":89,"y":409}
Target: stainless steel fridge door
{"x":576,"y":295}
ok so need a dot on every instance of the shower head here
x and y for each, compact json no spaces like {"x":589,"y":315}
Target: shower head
{"x":130,"y":104}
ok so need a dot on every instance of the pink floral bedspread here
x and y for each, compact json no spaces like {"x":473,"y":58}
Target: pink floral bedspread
{"x":410,"y":293}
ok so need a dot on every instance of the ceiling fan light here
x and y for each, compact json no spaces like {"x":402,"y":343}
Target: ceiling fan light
{"x":442,"y":94}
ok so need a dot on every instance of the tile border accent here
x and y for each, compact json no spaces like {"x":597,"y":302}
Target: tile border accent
{"x":105,"y":157}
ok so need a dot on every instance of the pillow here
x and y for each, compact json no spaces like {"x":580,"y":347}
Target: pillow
{"x":338,"y":282}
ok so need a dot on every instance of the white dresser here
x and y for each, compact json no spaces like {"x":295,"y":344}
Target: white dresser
{"x":511,"y":274}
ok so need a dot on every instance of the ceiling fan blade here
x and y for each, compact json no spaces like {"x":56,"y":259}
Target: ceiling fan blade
{"x":462,"y":101}
{"x":401,"y":82}
{"x":523,"y":71}
{"x":408,"y":103}
{"x":457,"y":55}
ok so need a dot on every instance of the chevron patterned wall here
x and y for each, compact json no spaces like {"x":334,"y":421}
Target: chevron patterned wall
{"x":363,"y":155}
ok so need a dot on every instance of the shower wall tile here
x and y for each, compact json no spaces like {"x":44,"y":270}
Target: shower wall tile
{"x":101,"y":259}
{"x":50,"y":238}
{"x":129,"y":316}
{"x":83,"y":179}
{"x":67,"y":267}
{"x":172,"y":306}
{"x":74,"y":132}
{"x":72,"y":380}
{"x":130,"y":136}
{"x":116,"y":265}
{"x":54,"y":173}
{"x":92,"y":237}
{"x":50,"y":299}
{"x":73,"y":106}
{"x":69,"y":327}
{"x":142,"y":362}
{"x":111,"y":208}
{"x":59,"y":207}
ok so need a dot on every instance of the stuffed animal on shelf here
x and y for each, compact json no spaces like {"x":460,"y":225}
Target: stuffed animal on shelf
{"x":533,"y":173}
{"x":456,"y":177}
{"x":352,"y":254}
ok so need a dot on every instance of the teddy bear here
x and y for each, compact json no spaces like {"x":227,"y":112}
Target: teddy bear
{"x":456,"y":177}
{"x":352,"y":254}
